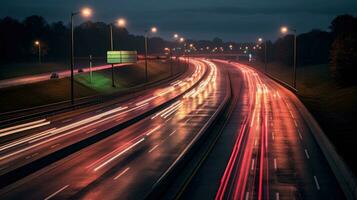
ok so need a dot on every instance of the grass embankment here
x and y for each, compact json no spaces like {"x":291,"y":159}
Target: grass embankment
{"x":52,"y":91}
{"x":335,"y":108}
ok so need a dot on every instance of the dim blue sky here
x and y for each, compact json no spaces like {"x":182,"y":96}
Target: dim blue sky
{"x":236,"y":20}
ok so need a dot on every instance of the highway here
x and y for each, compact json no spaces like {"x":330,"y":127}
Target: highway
{"x":23,"y":143}
{"x":273,"y":155}
{"x":266,"y":150}
{"x":47,"y":76}
{"x":134,"y":158}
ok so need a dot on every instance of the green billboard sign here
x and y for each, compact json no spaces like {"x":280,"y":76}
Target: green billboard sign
{"x":115,"y":57}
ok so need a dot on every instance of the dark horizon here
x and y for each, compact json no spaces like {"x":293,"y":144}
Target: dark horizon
{"x":230,"y":21}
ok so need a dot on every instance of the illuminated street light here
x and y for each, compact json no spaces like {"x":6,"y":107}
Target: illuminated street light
{"x":176,"y":36}
{"x":121,"y":22}
{"x":153,"y":30}
{"x":285,"y":30}
{"x":38,"y":43}
{"x":85,"y":12}
{"x":182,"y":39}
{"x":260,"y":40}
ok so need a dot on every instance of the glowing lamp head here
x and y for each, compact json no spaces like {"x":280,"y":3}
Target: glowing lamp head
{"x":121,"y":22}
{"x":191,"y":45}
{"x":260,"y":40}
{"x":182,"y":39}
{"x":284,"y":29}
{"x":86,"y":12}
{"x":153,"y":29}
{"x":175,"y":35}
{"x":37,"y":42}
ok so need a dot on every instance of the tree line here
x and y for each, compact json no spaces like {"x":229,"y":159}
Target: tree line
{"x":336,"y":47}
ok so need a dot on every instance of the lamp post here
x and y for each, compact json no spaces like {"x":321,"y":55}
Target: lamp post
{"x":121,"y":23}
{"x":86,"y":12}
{"x":153,"y":30}
{"x":260,"y":40}
{"x":285,"y":30}
{"x":38,"y":43}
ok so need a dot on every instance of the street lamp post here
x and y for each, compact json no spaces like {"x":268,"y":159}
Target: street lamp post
{"x":38,"y":43}
{"x":265,"y":54}
{"x":285,"y":29}
{"x":86,"y":12}
{"x":121,"y":23}
{"x":153,"y":30}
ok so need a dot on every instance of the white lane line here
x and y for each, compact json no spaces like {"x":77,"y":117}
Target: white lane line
{"x":12,"y":131}
{"x":277,"y":196}
{"x":253,"y":160}
{"x":255,"y":142}
{"x":67,"y":120}
{"x":275,"y":164}
{"x":296,"y":125}
{"x":100,"y":110}
{"x":188,"y":120}
{"x":307,"y":154}
{"x":122,"y":173}
{"x":317,"y":183}
{"x":273,"y":136}
{"x":91,"y":131}
{"x":153,"y":130}
{"x":168,"y":119}
{"x":300,"y":135}
{"x":55,"y":193}
{"x":247,"y":196}
{"x":172,"y":132}
{"x":119,"y":154}
{"x":55,"y":145}
{"x":152,"y":149}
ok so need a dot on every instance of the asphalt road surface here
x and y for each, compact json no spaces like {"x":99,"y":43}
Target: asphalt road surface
{"x":23,"y":143}
{"x":134,"y":158}
{"x":46,"y":76}
{"x":266,"y":151}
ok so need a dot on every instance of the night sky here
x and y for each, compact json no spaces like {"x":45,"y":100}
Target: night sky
{"x":236,"y":20}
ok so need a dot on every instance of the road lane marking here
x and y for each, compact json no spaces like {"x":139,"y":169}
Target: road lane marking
{"x":152,"y":149}
{"x":300,"y":135}
{"x":275,"y":164}
{"x":277,"y":196}
{"x":253,"y":160}
{"x":91,"y":131}
{"x":55,"y":193}
{"x":172,"y":132}
{"x":100,"y":110}
{"x":153,"y":130}
{"x":296,"y":125}
{"x":273,"y":136}
{"x":119,"y":154}
{"x":247,"y":196}
{"x":67,"y":120}
{"x":55,"y":145}
{"x":317,"y":183}
{"x":307,"y":154}
{"x":122,"y":173}
{"x":255,"y":142}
